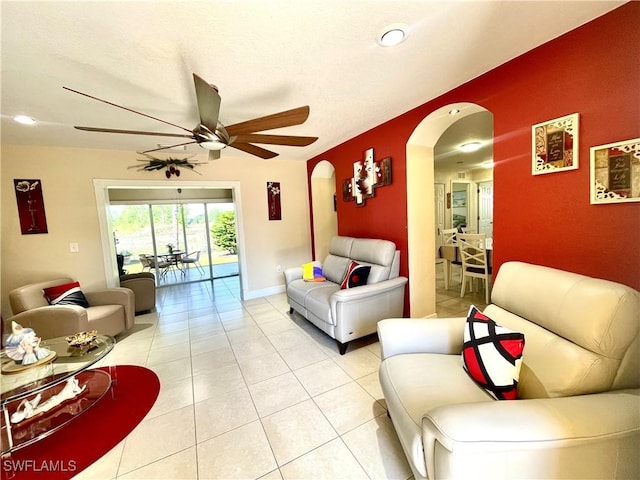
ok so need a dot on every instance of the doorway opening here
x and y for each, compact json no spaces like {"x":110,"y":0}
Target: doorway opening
{"x":435,"y":167}
{"x":324,"y":206}
{"x":186,"y":230}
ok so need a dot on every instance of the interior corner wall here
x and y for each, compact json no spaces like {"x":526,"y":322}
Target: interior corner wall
{"x":544,"y":219}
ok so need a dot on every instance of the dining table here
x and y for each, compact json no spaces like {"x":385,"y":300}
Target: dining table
{"x":450,"y":255}
{"x":174,"y":260}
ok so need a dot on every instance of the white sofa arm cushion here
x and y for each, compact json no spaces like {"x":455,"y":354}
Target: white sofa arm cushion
{"x":291,"y":274}
{"x":550,"y":424}
{"x":421,"y":335}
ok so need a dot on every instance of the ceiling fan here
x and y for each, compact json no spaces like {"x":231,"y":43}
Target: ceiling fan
{"x":213,"y":135}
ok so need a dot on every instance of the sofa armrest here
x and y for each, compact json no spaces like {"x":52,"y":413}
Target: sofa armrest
{"x":421,"y":335}
{"x":291,"y":274}
{"x":542,"y":426}
{"x":115,"y":296}
{"x":54,"y":321}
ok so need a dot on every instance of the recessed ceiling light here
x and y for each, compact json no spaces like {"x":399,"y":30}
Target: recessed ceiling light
{"x":25,"y":120}
{"x":392,"y":35}
{"x":470,"y":147}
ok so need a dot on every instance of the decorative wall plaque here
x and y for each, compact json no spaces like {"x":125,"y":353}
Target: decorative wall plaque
{"x":555,"y":145}
{"x":33,"y":218}
{"x":273,"y":201}
{"x":367,"y":176}
{"x":615,"y":172}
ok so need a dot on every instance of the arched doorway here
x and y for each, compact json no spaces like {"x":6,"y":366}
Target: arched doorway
{"x":325,"y":218}
{"x":421,"y":216}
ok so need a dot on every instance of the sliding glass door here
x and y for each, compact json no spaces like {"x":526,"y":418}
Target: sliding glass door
{"x":178,"y":242}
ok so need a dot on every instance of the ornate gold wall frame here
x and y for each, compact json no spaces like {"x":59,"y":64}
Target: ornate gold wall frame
{"x":615,"y":172}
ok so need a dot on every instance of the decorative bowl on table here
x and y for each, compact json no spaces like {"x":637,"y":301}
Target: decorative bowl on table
{"x":82,"y":339}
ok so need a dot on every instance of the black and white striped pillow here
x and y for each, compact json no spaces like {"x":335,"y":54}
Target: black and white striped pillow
{"x":67,"y":294}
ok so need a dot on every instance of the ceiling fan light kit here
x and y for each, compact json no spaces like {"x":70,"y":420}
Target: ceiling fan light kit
{"x":212,"y":135}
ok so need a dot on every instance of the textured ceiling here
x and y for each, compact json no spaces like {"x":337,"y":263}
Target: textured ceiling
{"x":264,"y":56}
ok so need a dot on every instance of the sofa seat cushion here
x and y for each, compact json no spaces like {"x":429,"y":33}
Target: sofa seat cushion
{"x":317,"y":301}
{"x":416,"y":383}
{"x":299,"y":289}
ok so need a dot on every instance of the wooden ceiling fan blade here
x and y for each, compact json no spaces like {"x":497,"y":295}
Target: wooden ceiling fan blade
{"x":127,"y":109}
{"x":167,"y":147}
{"x":208,"y":103}
{"x":254,"y":150}
{"x":291,"y":140}
{"x":287,"y":118}
{"x":132,"y":132}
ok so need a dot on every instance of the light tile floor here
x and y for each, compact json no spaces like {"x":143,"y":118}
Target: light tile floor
{"x":249,"y":391}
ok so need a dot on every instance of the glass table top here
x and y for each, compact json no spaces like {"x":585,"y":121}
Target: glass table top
{"x":18,"y":382}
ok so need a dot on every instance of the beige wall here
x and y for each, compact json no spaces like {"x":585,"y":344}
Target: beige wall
{"x":67,"y":176}
{"x":422,"y":260}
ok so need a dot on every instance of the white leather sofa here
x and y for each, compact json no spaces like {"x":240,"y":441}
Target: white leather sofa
{"x":578,"y":409}
{"x":348,"y":314}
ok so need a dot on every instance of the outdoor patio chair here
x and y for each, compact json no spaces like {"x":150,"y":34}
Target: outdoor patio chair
{"x":193,"y":259}
{"x":159,"y":264}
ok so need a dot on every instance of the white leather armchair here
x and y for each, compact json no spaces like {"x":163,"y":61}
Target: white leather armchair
{"x":578,"y":408}
{"x":111,"y":310}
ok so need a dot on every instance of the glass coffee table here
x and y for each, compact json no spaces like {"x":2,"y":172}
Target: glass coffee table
{"x":42,"y":385}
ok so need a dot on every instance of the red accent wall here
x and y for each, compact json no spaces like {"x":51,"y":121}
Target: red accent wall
{"x":545,"y":219}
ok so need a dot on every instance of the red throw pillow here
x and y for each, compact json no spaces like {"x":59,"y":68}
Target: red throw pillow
{"x":356,"y":276}
{"x":67,"y":294}
{"x":492,"y":355}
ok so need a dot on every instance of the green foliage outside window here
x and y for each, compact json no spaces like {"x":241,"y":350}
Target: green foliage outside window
{"x":224,"y":232}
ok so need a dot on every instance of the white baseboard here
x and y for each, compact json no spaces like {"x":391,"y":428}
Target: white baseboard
{"x":264,"y":292}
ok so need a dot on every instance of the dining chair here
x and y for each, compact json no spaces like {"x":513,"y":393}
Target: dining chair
{"x":449,"y":253}
{"x":473,"y":253}
{"x":159,"y":264}
{"x":144,"y":261}
{"x":193,"y":259}
{"x":449,"y":236}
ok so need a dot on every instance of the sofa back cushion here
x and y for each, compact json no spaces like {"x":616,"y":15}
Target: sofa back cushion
{"x":377,"y":253}
{"x":582,"y":333}
{"x":32,"y":296}
{"x":381,"y":255}
{"x":335,"y":265}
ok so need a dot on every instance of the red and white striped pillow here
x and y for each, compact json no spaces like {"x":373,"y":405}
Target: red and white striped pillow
{"x":67,"y":294}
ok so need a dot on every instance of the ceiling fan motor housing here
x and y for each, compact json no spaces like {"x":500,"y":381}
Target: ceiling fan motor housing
{"x":211,"y":140}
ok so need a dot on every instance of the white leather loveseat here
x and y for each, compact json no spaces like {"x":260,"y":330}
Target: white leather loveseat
{"x":578,"y":409}
{"x":347,"y":314}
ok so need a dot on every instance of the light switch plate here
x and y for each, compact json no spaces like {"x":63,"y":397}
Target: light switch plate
{"x":74,"y":248}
